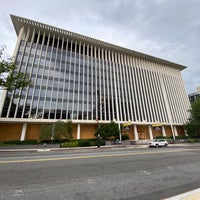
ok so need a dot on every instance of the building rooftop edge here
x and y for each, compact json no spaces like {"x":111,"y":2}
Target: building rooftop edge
{"x":19,"y":22}
{"x":194,"y":93}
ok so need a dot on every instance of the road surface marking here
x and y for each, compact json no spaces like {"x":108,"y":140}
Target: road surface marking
{"x":144,"y":172}
{"x":18,"y":193}
{"x":96,"y":156}
{"x":41,"y":150}
{"x":90,"y":181}
{"x":170,"y":168}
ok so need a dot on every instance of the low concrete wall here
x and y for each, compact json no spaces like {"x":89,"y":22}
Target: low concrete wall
{"x":128,"y":142}
{"x":123,"y":142}
{"x":142,"y":142}
{"x":31,"y":146}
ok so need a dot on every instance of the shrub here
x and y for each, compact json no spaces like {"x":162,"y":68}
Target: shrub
{"x":101,"y":142}
{"x":182,"y":137}
{"x":74,"y":143}
{"x":193,"y":140}
{"x":12,"y":142}
{"x":125,"y":137}
{"x":84,"y":143}
{"x":29,"y":142}
{"x":18,"y":142}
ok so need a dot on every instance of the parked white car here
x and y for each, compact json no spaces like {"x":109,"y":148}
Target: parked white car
{"x":158,"y":143}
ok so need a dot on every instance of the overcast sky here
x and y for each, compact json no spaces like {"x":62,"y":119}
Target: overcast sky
{"x":168,"y":29}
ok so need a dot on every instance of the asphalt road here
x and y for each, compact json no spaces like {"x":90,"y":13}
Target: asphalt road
{"x":100,"y":174}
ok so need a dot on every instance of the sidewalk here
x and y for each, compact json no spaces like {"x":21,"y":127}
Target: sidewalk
{"x":191,"y":195}
{"x":43,"y":148}
{"x":48,"y":148}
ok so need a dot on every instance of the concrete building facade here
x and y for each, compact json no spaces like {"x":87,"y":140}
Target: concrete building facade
{"x":89,"y":82}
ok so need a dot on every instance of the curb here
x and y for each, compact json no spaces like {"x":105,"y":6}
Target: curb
{"x":46,"y":149}
{"x":191,"y":195}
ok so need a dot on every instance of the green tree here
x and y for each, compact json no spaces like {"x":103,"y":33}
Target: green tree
{"x":108,"y":130}
{"x":56,"y":131}
{"x":113,"y":130}
{"x":102,"y":131}
{"x":69,"y":129}
{"x":193,"y":125}
{"x":59,"y":130}
{"x":46,"y":132}
{"x":10,"y":77}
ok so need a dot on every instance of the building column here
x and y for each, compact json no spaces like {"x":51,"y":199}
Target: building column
{"x":120,"y":132}
{"x":135,"y":132}
{"x":150,"y":132}
{"x":23,"y":133}
{"x":175,"y":131}
{"x":78,"y":132}
{"x":20,"y":36}
{"x":2,"y":101}
{"x":163,"y":131}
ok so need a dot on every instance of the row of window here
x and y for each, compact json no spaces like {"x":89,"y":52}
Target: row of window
{"x":137,"y":92}
{"x":61,"y":45}
{"x":64,"y":66}
{"x":55,"y":52}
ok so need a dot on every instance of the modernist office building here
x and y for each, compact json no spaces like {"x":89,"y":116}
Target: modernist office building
{"x":193,"y":96}
{"x":90,"y":81}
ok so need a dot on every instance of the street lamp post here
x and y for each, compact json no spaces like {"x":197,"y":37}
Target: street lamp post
{"x":98,"y":142}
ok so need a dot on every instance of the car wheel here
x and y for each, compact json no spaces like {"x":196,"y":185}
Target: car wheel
{"x":157,"y":145}
{"x":166,"y":145}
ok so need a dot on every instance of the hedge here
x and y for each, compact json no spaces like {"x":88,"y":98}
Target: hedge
{"x":18,"y":142}
{"x":70,"y":144}
{"x":83,"y":143}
